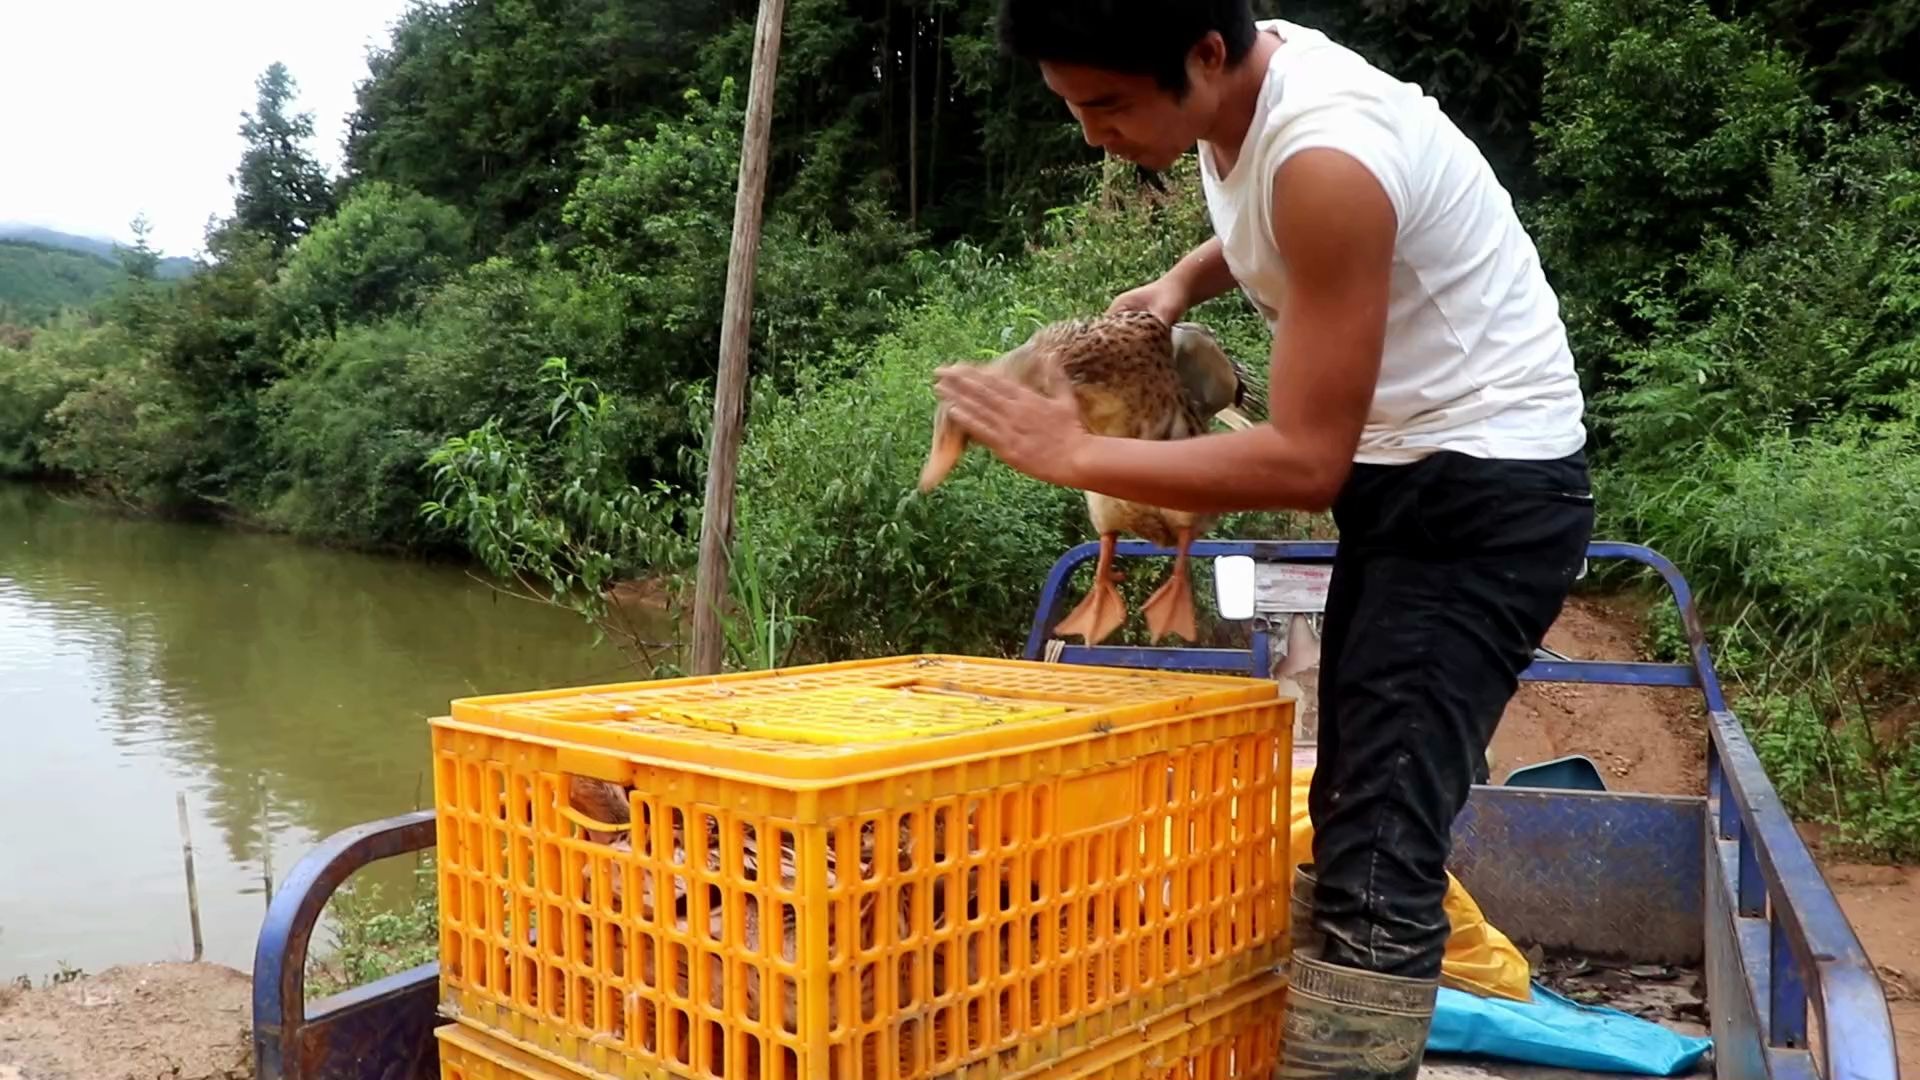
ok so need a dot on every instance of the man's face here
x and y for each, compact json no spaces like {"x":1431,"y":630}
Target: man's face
{"x":1133,"y":116}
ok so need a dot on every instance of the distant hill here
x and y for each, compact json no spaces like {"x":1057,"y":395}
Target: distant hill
{"x":38,"y":282}
{"x":96,"y":246}
{"x":45,"y":271}
{"x":53,"y":238}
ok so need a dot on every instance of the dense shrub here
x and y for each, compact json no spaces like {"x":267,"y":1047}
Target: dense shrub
{"x":383,"y":252}
{"x":1768,"y":439}
{"x":37,"y":372}
{"x":828,"y":503}
{"x":1659,"y":120}
{"x":1739,"y":271}
{"x":129,"y":434}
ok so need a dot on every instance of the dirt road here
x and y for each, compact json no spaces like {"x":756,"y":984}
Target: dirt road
{"x":1649,"y":740}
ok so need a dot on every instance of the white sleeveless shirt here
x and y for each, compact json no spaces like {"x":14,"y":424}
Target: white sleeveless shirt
{"x":1476,"y":358}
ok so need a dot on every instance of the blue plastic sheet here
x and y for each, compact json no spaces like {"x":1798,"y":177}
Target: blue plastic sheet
{"x":1553,"y":1031}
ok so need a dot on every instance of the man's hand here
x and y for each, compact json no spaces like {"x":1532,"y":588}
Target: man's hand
{"x":1197,"y":278}
{"x":1037,"y":434}
{"x":1163,"y":298}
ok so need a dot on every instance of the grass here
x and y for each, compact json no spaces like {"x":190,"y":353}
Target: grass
{"x":1819,"y":721}
{"x":374,"y":937}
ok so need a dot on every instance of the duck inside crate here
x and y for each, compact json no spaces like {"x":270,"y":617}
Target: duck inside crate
{"x":1012,"y":874}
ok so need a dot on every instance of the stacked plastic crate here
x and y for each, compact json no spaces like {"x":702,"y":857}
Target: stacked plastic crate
{"x":884,"y":870}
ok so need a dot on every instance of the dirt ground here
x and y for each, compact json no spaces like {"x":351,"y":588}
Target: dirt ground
{"x":1880,"y":902}
{"x":149,"y":1022}
{"x":190,"y":1021}
{"x":1651,"y":740}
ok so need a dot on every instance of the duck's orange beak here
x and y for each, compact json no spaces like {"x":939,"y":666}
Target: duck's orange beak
{"x":949,"y":442}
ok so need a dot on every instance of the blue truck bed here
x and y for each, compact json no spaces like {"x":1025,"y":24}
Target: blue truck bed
{"x":1720,"y":883}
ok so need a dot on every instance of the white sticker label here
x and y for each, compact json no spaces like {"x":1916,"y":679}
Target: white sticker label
{"x":1292,"y":588}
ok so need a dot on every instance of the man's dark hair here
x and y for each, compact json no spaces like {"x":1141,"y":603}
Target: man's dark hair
{"x":1136,"y":37}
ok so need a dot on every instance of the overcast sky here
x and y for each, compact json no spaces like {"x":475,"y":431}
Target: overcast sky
{"x":112,"y":107}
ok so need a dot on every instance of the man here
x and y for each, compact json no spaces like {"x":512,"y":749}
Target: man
{"x":1421,"y":388}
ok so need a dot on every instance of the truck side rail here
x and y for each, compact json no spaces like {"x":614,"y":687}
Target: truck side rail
{"x":1786,"y":924}
{"x":380,"y":1031}
{"x":1775,"y":929}
{"x":1254,"y":659}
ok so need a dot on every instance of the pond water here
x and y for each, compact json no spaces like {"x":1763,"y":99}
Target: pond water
{"x":283,"y":688}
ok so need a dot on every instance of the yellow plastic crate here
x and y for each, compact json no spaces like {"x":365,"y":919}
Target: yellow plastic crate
{"x":895,"y":868}
{"x":1233,"y":1037}
{"x":468,"y":1055}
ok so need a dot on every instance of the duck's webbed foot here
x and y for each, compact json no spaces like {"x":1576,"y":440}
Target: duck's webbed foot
{"x":1170,"y":609}
{"x":1103,"y":611}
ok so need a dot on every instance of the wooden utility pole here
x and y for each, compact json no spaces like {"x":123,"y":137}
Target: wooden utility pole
{"x":913,"y":118}
{"x":736,"y":330}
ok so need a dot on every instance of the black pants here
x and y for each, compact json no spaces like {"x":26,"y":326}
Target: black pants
{"x":1449,"y":574}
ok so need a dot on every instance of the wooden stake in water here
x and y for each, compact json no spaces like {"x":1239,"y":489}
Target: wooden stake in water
{"x":266,"y":840}
{"x":193,"y":890}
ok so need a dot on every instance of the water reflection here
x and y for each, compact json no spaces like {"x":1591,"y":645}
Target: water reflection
{"x":284,"y":688}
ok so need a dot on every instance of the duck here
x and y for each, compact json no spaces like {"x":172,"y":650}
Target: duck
{"x":1133,"y":375}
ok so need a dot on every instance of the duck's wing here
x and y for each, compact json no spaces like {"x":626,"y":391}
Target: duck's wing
{"x":1119,"y":370}
{"x":1030,"y":364}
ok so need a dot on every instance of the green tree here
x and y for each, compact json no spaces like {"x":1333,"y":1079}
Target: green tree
{"x":907,"y":103}
{"x":344,"y":435}
{"x":137,"y":301}
{"x":280,"y":191}
{"x":347,"y":427}
{"x":653,"y":217}
{"x":911,"y":102}
{"x":213,"y":342}
{"x":478,"y":103}
{"x":1660,"y":121}
{"x":141,"y":261}
{"x":1849,"y":46}
{"x":129,"y":435}
{"x":383,"y":252}
{"x":40,"y":370}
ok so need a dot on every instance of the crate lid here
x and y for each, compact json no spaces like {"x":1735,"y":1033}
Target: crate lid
{"x":836,"y":719}
{"x":843,"y":715}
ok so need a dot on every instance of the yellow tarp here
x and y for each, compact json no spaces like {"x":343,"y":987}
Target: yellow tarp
{"x":1480,"y":960}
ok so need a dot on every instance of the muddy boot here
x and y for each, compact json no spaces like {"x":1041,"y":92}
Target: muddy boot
{"x":1305,"y":938}
{"x":1346,"y":1024}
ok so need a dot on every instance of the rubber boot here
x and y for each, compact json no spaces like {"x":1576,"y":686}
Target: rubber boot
{"x":1304,"y":937}
{"x":1346,"y":1024}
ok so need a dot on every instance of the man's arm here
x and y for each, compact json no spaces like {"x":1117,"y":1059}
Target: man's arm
{"x":1335,"y":229}
{"x":1203,"y":273}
